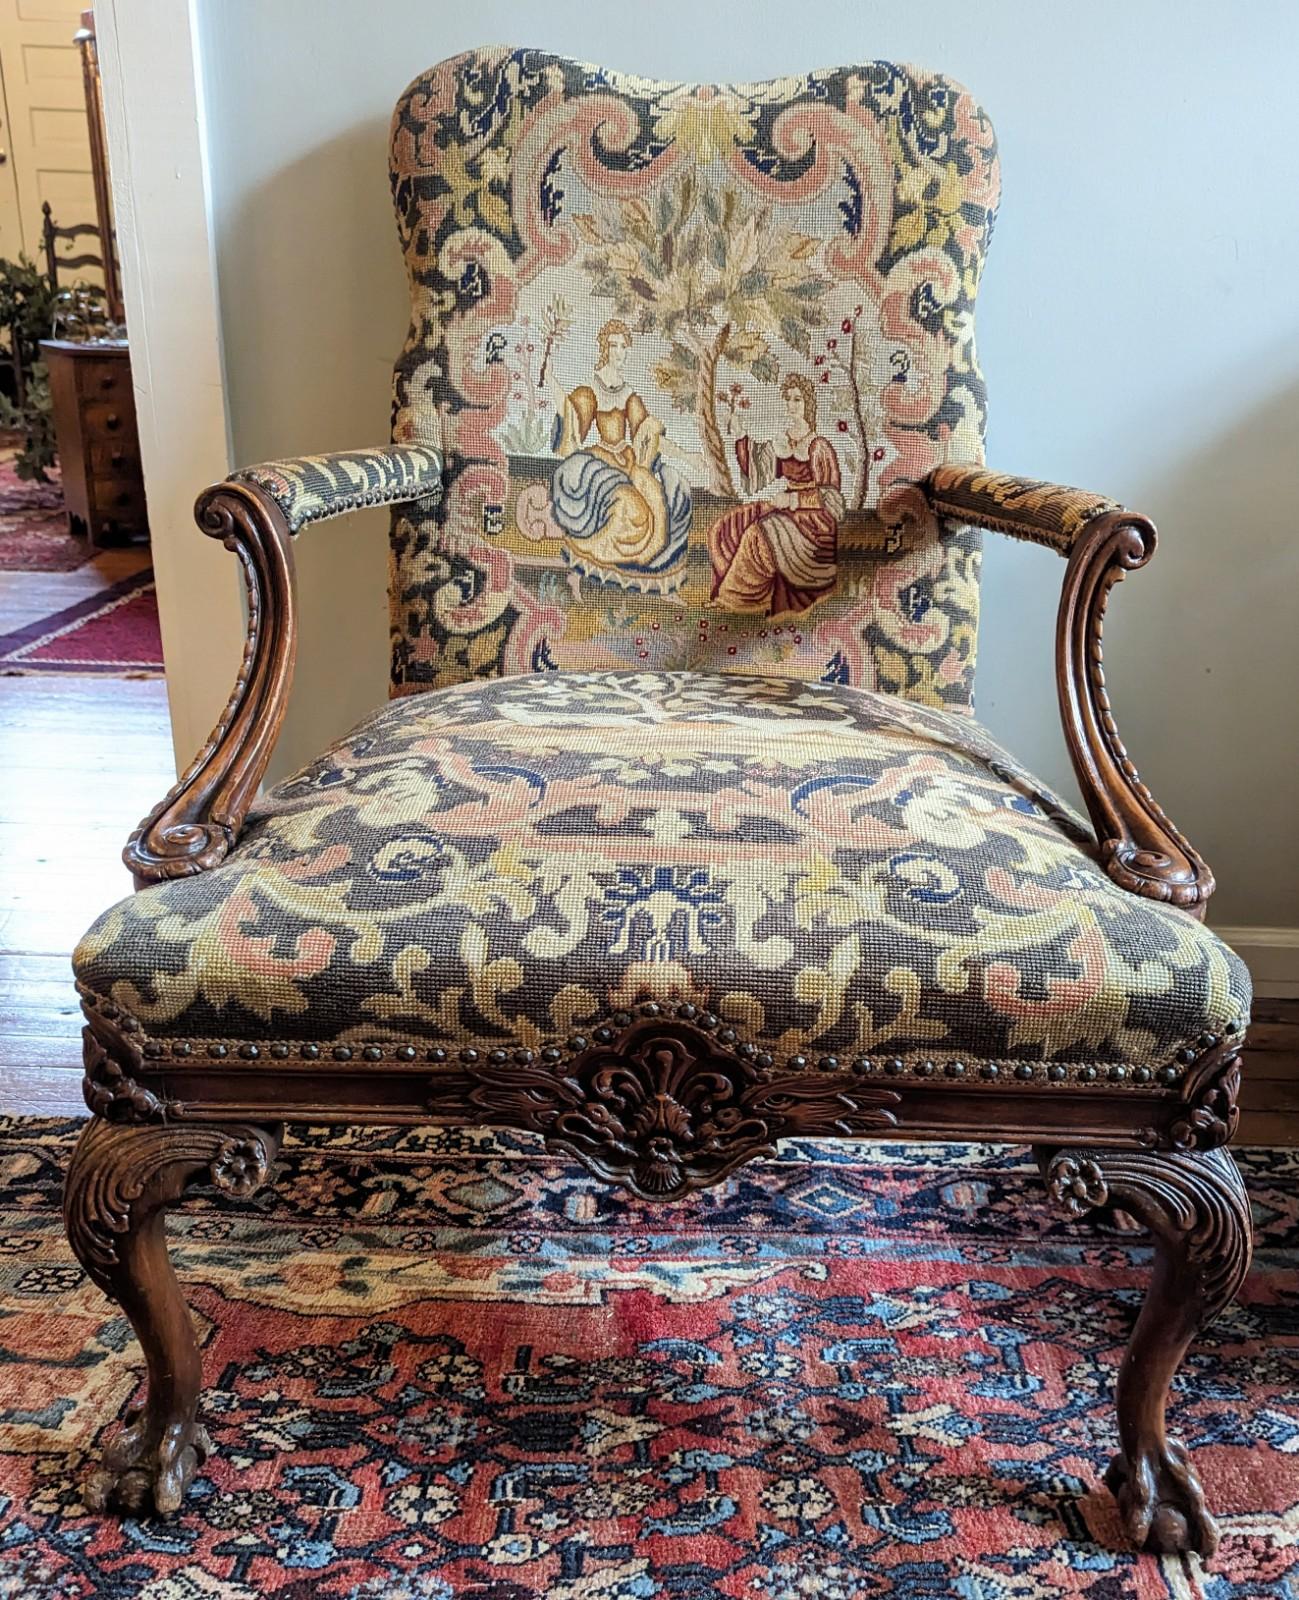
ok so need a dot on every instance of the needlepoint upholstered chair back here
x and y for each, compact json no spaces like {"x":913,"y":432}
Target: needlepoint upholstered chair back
{"x":685,"y":348}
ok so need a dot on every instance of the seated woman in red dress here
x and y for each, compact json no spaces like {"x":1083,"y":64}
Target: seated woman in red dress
{"x":778,"y":553}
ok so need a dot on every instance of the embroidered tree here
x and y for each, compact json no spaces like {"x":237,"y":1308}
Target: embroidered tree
{"x":845,"y":364}
{"x":714,"y":277}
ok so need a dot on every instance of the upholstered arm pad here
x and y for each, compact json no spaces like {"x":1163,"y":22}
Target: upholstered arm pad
{"x":1044,"y":513}
{"x":310,"y":488}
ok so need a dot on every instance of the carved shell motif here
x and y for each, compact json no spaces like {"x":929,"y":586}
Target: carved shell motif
{"x":664,"y":1117}
{"x":665,"y":1109}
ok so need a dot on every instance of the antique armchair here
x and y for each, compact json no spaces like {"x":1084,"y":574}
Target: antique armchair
{"x":679,"y":835}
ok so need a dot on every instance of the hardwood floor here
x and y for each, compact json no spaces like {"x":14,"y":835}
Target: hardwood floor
{"x":1270,"y":1096}
{"x":85,"y":758}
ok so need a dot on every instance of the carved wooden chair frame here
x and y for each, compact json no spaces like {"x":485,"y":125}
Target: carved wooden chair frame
{"x":662,"y":1100}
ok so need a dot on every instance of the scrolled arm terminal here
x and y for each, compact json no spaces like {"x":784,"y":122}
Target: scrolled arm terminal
{"x":255,"y":513}
{"x":1139,"y":846}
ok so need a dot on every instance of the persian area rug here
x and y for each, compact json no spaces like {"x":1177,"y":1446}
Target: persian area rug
{"x":114,"y":632}
{"x":34,"y":533}
{"x":444,"y":1364}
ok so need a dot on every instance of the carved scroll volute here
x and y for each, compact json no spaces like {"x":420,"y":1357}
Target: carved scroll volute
{"x":198,"y":821}
{"x":114,"y":1062}
{"x":1140,"y":847}
{"x":122,"y":1174}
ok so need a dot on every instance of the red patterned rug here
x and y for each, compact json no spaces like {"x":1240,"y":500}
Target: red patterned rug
{"x":445,"y":1364}
{"x":114,"y":632}
{"x":34,"y":533}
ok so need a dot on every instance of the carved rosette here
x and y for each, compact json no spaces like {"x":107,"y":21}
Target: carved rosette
{"x":1076,"y":1185}
{"x":241,"y":1165}
{"x":121,"y":1173}
{"x":664,"y":1108}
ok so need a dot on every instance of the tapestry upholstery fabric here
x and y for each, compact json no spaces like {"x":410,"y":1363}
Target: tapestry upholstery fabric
{"x":1026,"y":508}
{"x":681,"y":345}
{"x":311,"y":488}
{"x":829,"y":871}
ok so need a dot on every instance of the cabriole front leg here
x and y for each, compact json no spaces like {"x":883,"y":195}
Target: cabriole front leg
{"x":121,"y":1179}
{"x":1196,"y":1208}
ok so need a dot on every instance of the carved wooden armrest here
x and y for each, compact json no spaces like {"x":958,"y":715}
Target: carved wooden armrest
{"x":1139,"y":847}
{"x":255,"y":513}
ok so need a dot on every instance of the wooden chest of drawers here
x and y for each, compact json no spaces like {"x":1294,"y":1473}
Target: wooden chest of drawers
{"x":99,"y":450}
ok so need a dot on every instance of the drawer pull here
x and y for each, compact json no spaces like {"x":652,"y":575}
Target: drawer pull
{"x":112,"y":422}
{"x":116,"y":459}
{"x":107,"y":382}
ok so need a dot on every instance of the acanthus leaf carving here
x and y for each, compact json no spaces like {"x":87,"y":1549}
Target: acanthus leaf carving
{"x":1196,"y":1208}
{"x":1211,"y":1092}
{"x":112,"y":1060}
{"x":123,"y":1173}
{"x":121,"y":1180}
{"x":1193,"y":1201}
{"x":1208,"y":1110}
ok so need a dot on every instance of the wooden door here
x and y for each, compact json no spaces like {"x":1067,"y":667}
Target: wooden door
{"x":12,"y":243}
{"x":46,"y":138}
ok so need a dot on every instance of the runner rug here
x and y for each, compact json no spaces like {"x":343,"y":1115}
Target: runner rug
{"x":114,"y":632}
{"x":445,"y":1364}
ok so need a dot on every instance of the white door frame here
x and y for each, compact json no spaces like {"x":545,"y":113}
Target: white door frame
{"x":157,"y":148}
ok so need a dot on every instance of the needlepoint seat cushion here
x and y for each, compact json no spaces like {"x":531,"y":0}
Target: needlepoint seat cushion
{"x":829,"y":871}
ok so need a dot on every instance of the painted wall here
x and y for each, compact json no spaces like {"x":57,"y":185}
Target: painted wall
{"x":1137,"y":327}
{"x":158,"y":161}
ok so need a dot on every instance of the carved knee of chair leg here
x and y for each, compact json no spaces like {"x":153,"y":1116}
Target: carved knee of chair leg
{"x":1195,"y":1206}
{"x":120,"y":1181}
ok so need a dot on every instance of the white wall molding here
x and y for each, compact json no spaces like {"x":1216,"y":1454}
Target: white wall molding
{"x":154,"y":119}
{"x":1272,"y":956}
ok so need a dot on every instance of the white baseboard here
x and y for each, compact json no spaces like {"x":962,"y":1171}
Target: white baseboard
{"x":1272,"y":956}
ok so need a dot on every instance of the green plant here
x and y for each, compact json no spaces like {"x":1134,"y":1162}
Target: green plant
{"x":34,"y":419}
{"x":32,"y":310}
{"x":27,"y":303}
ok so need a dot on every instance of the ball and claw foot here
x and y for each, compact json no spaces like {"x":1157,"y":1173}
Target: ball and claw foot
{"x":1195,"y":1206}
{"x":121,"y":1179}
{"x":149,"y":1466}
{"x":1162,"y":1504}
